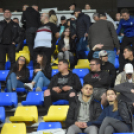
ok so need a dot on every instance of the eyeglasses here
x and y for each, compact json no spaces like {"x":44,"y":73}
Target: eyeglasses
{"x":105,"y":56}
{"x":22,"y":60}
{"x":92,"y":64}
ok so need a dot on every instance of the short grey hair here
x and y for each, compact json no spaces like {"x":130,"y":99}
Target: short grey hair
{"x":96,"y":15}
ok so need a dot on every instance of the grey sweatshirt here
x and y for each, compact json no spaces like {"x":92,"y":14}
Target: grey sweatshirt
{"x":83,"y":114}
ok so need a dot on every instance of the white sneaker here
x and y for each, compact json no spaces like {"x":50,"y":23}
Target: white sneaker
{"x":28,"y":86}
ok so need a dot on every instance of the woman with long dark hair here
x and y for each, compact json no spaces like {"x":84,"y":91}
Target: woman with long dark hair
{"x":114,"y":118}
{"x":66,"y":45}
{"x":18,"y":75}
{"x":41,"y":74}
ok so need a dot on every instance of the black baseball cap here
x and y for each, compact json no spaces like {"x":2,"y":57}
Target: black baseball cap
{"x":63,"y":18}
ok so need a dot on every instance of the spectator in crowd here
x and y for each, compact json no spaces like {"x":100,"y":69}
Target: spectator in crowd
{"x":87,"y":7}
{"x":96,"y":16}
{"x":63,"y":25}
{"x":126,"y":76}
{"x":16,"y":20}
{"x":45,"y":39}
{"x":8,"y":39}
{"x":72,"y":7}
{"x":52,"y":17}
{"x":99,"y":79}
{"x":1,"y":10}
{"x":41,"y":74}
{"x":105,"y":65}
{"x":126,"y":91}
{"x":83,"y":110}
{"x":18,"y":75}
{"x":115,"y":117}
{"x":66,"y":45}
{"x":82,"y":27}
{"x":128,"y":57}
{"x":64,"y":85}
{"x":103,"y":32}
{"x":31,"y":18}
{"x":24,"y":7}
{"x":118,"y":17}
{"x":127,"y":23}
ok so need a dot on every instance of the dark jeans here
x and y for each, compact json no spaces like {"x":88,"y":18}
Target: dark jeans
{"x":111,"y":125}
{"x":10,"y":50}
{"x":46,"y":51}
{"x":30,"y":35}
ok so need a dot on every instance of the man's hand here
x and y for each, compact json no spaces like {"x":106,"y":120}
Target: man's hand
{"x":73,"y":37}
{"x":13,"y":43}
{"x":17,"y":78}
{"x":132,"y":91}
{"x":66,"y":88}
{"x":37,"y":70}
{"x":63,"y":49}
{"x":57,"y":89}
{"x":86,"y":35}
{"x":118,"y":52}
{"x":81,"y":124}
{"x":97,"y":46}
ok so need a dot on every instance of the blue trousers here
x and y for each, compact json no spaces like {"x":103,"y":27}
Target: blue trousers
{"x":13,"y":83}
{"x":41,"y":80}
{"x":111,"y":56}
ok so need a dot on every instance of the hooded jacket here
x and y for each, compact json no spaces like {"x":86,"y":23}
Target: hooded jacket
{"x":71,"y":80}
{"x":31,"y":17}
{"x":73,"y":112}
{"x":98,"y":79}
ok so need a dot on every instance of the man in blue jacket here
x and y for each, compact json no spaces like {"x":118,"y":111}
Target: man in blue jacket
{"x":127,"y":23}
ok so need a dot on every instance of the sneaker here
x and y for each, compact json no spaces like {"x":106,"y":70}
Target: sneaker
{"x":28,"y":86}
{"x":38,"y":89}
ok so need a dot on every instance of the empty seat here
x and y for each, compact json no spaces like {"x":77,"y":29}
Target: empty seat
{"x":3,"y":75}
{"x":82,"y":63}
{"x":49,"y":125}
{"x":61,"y":102}
{"x":81,"y":72}
{"x":56,"y":113}
{"x":38,"y":99}
{"x":2,"y":114}
{"x":25,"y":114}
{"x":8,"y":99}
{"x":54,"y":71}
{"x":13,"y":128}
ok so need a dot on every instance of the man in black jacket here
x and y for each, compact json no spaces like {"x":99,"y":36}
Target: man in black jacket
{"x":128,"y":57}
{"x":105,"y":65}
{"x":31,"y":18}
{"x":9,"y":32}
{"x":64,"y":85}
{"x":103,"y":32}
{"x":84,"y":109}
{"x":82,"y":27}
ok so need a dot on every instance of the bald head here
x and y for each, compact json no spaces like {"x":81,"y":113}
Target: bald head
{"x":35,"y":7}
{"x":44,"y":18}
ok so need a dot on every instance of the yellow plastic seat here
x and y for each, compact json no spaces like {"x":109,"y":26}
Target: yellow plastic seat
{"x":24,"y":54}
{"x":26,"y":49}
{"x":13,"y":128}
{"x":82,"y":63}
{"x":25,"y":114}
{"x":56,"y":49}
{"x":56,"y":113}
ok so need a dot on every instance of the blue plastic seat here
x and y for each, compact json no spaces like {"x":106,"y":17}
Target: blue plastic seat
{"x":86,"y":53}
{"x":8,"y":99}
{"x":31,"y":75}
{"x":116,"y":65}
{"x":3,"y":75}
{"x":49,"y":125}
{"x":25,"y":42}
{"x":82,"y":81}
{"x":81,"y":72}
{"x":54,"y":71}
{"x":61,"y":102}
{"x":34,"y":98}
{"x":2,"y":114}
{"x":8,"y":65}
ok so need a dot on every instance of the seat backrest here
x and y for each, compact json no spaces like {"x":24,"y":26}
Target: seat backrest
{"x":36,"y":95}
{"x":49,"y":125}
{"x":54,"y":71}
{"x":81,"y":72}
{"x":30,"y":111}
{"x":31,"y":75}
{"x":2,"y":114}
{"x":13,"y":128}
{"x":58,"y":110}
{"x":82,"y":81}
{"x":3,"y":75}
{"x":83,"y":61}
